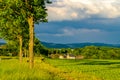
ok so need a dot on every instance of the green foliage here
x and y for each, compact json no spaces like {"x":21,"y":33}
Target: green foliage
{"x":13,"y":25}
{"x":39,"y":48}
{"x":28,"y":8}
{"x":90,"y":52}
{"x":9,"y":50}
{"x":13,"y":48}
{"x":14,"y":15}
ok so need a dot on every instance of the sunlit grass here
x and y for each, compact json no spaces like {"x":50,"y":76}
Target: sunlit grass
{"x":102,"y":69}
{"x":56,"y":69}
{"x":13,"y":70}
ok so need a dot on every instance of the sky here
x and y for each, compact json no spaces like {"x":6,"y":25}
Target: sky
{"x":78,"y":21}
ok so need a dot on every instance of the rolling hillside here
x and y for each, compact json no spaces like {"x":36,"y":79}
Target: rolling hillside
{"x":77,"y":45}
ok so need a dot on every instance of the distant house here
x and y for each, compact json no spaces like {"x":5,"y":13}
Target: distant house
{"x":70,"y":56}
{"x":61,"y":57}
{"x":79,"y":57}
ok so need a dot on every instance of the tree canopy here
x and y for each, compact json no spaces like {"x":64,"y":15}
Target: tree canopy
{"x":21,"y":11}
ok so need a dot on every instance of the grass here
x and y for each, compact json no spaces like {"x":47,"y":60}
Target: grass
{"x":12,"y":70}
{"x":101,"y":69}
{"x":56,"y":69}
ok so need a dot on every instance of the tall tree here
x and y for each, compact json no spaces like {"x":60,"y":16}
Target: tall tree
{"x":34,"y":12}
{"x":12,"y":26}
{"x":12,"y":31}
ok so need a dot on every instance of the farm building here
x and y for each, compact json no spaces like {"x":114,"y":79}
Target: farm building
{"x":68,"y":56}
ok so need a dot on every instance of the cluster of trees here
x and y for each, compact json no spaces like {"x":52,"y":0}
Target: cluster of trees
{"x":17,"y":19}
{"x":90,"y":52}
{"x":93,"y":52}
{"x":13,"y":49}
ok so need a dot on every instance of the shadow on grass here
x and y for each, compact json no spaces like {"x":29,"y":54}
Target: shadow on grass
{"x":115,"y":67}
{"x":8,"y":58}
{"x":98,"y":63}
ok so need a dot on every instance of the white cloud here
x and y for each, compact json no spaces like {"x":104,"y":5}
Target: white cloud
{"x":73,"y":32}
{"x":79,"y":9}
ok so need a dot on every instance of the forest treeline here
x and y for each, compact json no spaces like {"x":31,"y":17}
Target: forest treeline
{"x":89,"y":52}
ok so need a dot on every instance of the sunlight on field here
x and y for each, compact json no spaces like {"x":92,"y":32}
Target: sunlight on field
{"x":11,"y":70}
{"x":55,"y":69}
{"x":102,"y":69}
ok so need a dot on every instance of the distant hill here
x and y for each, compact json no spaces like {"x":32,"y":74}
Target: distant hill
{"x":2,"y":44}
{"x":77,"y":45}
{"x":74,"y":45}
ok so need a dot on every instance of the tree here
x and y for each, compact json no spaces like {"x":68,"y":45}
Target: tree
{"x":13,"y":33}
{"x":12,"y":26}
{"x":33,"y":11}
{"x":39,"y":48}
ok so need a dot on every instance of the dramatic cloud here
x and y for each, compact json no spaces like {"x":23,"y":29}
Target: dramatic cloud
{"x":72,"y":35}
{"x":72,"y":21}
{"x":73,"y":32}
{"x":61,"y":10}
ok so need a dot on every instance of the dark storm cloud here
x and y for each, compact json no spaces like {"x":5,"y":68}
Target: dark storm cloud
{"x":84,"y":21}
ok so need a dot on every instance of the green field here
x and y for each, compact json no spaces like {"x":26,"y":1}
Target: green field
{"x":11,"y":69}
{"x":56,"y":69}
{"x":102,"y":69}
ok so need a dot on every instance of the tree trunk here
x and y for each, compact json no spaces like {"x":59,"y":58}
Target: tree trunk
{"x":31,"y":41}
{"x":25,"y":53}
{"x":20,"y":53}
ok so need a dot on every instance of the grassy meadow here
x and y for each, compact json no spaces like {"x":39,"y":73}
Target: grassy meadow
{"x":56,"y":69}
{"x":12,"y":70}
{"x":101,"y":69}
